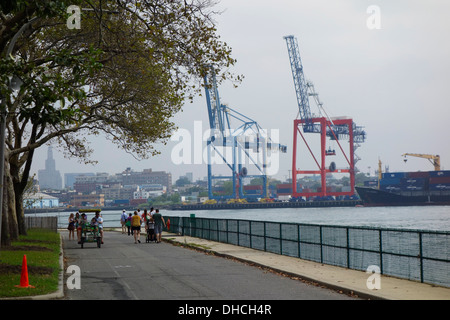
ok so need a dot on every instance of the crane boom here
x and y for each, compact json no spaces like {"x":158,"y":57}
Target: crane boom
{"x":434,"y":159}
{"x":300,"y":84}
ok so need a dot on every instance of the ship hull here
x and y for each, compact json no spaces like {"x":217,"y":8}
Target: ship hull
{"x":376,"y":197}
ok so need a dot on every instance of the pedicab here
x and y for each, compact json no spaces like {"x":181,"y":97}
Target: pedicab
{"x":89,"y":232}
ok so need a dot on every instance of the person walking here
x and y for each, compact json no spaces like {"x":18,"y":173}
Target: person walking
{"x":71,"y":226}
{"x":128,"y":224}
{"x":136,"y":222}
{"x":159,"y":222}
{"x":77,"y":225}
{"x":123,"y":221}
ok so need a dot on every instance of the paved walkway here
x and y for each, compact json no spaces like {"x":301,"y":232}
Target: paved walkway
{"x":342,"y":279}
{"x":346,"y":280}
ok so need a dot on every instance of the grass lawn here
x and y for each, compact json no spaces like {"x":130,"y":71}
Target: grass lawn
{"x":42,"y":250}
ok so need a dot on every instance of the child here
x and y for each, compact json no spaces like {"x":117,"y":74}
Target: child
{"x":151,"y":230}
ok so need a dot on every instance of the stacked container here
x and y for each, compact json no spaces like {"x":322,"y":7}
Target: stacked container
{"x":439,"y":180}
{"x":284,"y":189}
{"x":414,"y":181}
{"x":253,"y":189}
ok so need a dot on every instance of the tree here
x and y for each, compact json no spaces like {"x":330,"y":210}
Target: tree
{"x":124,"y":74}
{"x":182,"y":181}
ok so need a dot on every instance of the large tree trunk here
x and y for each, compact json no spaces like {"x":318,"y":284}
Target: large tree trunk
{"x":5,"y":239}
{"x":9,"y":209}
{"x":19,"y":181}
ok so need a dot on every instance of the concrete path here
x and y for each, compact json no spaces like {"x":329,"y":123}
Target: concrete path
{"x":123,"y":270}
{"x":341,"y":279}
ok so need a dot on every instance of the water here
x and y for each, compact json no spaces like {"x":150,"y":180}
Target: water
{"x":435,"y":218}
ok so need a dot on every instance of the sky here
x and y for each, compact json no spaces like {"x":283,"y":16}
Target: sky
{"x":382,"y":63}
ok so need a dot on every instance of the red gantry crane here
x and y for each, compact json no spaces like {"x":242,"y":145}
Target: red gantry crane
{"x":336,"y":130}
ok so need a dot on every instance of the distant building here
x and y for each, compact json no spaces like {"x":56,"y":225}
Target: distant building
{"x":70,"y":178}
{"x":88,"y":200}
{"x":190,"y":176}
{"x":50,"y":178}
{"x":87,"y":184}
{"x":149,"y":191}
{"x":39,"y":200}
{"x":147,"y":176}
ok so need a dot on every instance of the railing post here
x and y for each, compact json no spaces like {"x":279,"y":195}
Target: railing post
{"x":321,"y":247}
{"x":227,"y":230}
{"x":250,"y":233}
{"x":421,"y":257}
{"x":238,"y":242}
{"x":348,"y":247}
{"x":265,"y":242}
{"x":381,"y":251}
{"x":281,"y":239}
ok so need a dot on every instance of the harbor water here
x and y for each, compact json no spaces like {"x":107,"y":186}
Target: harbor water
{"x":435,"y":218}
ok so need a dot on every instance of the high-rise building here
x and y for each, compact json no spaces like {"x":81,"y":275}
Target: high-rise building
{"x":147,"y":176}
{"x":50,"y":178}
{"x":70,"y":178}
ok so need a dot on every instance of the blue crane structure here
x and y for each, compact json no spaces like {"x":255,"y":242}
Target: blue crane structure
{"x":335,"y":129}
{"x":231,"y":130}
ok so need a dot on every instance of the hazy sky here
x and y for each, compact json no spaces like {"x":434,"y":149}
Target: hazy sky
{"x":393,"y":81}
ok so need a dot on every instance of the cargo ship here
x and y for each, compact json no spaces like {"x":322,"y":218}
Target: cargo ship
{"x":407,"y":189}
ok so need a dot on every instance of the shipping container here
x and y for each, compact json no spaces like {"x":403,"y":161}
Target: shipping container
{"x":412,"y":188}
{"x":413,"y":181}
{"x":391,"y":188}
{"x":371,"y":183}
{"x":284,"y":191}
{"x":440,"y":187}
{"x":441,"y":173}
{"x":394,"y":175}
{"x":253,"y":187}
{"x":389,"y":181}
{"x":436,"y":180}
{"x":284,"y":186}
{"x":253,"y":191}
{"x":419,"y":174}
{"x":122,"y":201}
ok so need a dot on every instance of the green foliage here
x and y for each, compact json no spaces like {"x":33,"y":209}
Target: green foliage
{"x":124,"y":74}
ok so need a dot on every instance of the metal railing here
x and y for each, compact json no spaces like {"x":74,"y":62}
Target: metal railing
{"x":411,"y":254}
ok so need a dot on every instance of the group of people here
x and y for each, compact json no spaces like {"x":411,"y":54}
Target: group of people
{"x":153,"y":222}
{"x":131,"y":223}
{"x":77,"y":221}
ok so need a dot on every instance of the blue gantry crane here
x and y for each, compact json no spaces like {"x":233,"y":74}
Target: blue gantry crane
{"x":231,"y":131}
{"x":335,"y":129}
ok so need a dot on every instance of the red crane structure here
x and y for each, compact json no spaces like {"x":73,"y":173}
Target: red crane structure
{"x":336,"y":130}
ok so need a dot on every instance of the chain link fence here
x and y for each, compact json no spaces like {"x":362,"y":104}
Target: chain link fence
{"x":410,"y":254}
